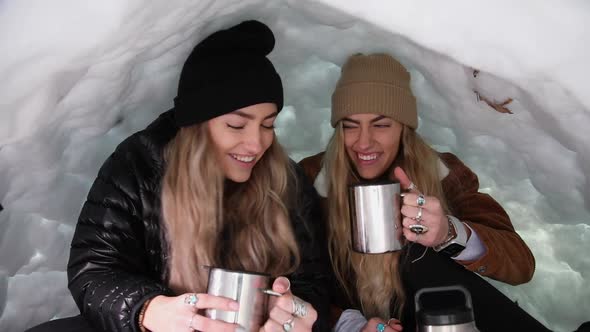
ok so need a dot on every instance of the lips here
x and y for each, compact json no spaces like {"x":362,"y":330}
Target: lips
{"x":242,"y":158}
{"x":367,"y":157}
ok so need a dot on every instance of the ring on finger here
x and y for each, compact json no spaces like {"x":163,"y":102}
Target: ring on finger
{"x":418,"y":228}
{"x":420,"y":200}
{"x":419,"y":215}
{"x":380,"y":327}
{"x":299,"y":307}
{"x":412,"y":186}
{"x":191,"y":299}
{"x":288,"y":325}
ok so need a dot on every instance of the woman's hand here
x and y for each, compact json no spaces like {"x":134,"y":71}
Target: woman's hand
{"x":288,"y":312}
{"x":395,"y":324}
{"x":376,"y":324}
{"x":421,"y":211}
{"x":181,"y":314}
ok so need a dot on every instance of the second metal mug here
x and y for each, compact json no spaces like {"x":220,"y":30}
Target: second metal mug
{"x":375,"y":217}
{"x":244,"y":287}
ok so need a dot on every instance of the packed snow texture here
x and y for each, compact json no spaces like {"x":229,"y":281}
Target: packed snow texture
{"x":78,"y":77}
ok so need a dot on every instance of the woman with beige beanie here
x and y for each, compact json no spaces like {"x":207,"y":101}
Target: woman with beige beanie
{"x":452,"y":231}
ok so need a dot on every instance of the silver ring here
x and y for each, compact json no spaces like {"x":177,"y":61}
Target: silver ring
{"x":299,"y":307}
{"x":412,"y":186}
{"x":420,"y":200}
{"x":418,"y":229}
{"x":419,"y":215}
{"x":288,"y":325}
{"x":191,"y":299}
{"x":190,"y":323}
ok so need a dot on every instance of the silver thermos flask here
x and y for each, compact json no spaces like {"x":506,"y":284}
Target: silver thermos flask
{"x":454,"y":318}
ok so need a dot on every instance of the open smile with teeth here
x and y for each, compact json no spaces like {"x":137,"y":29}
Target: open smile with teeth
{"x":244,"y":159}
{"x":367,"y":157}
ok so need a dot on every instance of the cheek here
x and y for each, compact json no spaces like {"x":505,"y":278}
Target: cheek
{"x":267,"y":139}
{"x":349,"y":140}
{"x":351,"y":154}
{"x":218,"y":143}
{"x":216,"y":133}
{"x":392,"y":147}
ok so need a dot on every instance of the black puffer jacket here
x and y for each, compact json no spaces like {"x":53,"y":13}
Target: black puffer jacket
{"x":117,"y":259}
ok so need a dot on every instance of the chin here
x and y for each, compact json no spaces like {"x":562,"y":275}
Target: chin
{"x":370,"y":174}
{"x":367,"y":176}
{"x":239,"y":178}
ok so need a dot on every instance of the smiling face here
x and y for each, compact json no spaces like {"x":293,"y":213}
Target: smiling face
{"x":372,"y":142}
{"x":241,"y":138}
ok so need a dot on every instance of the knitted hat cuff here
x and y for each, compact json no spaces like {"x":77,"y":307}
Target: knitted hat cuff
{"x":248,"y":89}
{"x":375,"y":98}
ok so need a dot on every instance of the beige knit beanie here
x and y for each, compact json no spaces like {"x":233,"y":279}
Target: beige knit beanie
{"x":376,"y":84}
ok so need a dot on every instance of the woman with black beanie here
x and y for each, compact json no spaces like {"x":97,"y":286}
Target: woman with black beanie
{"x":205,"y":184}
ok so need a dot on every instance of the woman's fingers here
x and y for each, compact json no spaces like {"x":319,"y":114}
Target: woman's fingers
{"x":377,"y":325}
{"x":411,"y":236}
{"x":280,"y":315}
{"x":404,"y":180}
{"x":207,"y":301}
{"x":426,"y":223}
{"x":395,"y":324}
{"x":281,"y":285}
{"x":426,"y":202}
{"x":205,"y":324}
{"x":419,"y":214}
{"x":272,"y":326}
{"x":281,"y":318}
{"x":429,"y":238}
{"x":289,"y":305}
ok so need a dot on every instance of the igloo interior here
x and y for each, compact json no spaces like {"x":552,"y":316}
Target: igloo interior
{"x":79,"y":77}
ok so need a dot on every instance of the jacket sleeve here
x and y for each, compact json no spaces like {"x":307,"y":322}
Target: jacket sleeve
{"x":108,"y":273}
{"x":311,"y":280}
{"x":507,"y":258}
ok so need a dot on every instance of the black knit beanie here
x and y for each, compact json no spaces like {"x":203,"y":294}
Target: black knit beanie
{"x":227,"y":71}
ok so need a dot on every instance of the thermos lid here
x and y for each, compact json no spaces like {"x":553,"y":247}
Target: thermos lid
{"x":439,"y":306}
{"x":451,"y":316}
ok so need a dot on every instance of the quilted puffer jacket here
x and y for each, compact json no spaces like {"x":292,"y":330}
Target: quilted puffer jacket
{"x":118,"y":258}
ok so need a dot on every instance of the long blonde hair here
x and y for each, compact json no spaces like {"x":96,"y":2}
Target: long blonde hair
{"x":375,"y":279}
{"x":245,"y":228}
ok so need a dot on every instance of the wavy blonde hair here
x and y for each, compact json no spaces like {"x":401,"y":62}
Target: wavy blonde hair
{"x":375,"y":279}
{"x":245,"y":228}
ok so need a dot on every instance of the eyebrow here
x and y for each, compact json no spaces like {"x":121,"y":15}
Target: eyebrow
{"x":372,"y":120}
{"x":251,"y":117}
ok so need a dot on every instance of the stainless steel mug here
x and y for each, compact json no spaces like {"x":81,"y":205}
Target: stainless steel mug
{"x":376,"y":217}
{"x":444,"y":319}
{"x":244,"y":287}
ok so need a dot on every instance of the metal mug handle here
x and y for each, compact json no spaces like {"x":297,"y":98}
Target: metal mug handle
{"x":270,"y":292}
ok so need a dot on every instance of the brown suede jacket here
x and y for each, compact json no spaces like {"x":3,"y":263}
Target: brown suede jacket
{"x":507,"y":258}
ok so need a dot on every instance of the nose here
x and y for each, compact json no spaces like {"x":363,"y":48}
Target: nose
{"x":365,"y":139}
{"x":253,"y":141}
